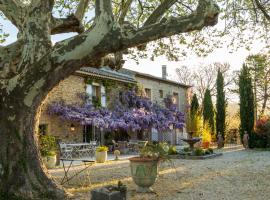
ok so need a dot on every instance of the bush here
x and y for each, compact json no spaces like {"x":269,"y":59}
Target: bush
{"x":261,"y":137}
{"x":206,"y":133}
{"x":47,"y":145}
{"x":186,"y":149}
{"x":209,"y":151}
{"x":172,"y":150}
{"x":199,"y":152}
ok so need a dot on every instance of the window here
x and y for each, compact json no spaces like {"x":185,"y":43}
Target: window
{"x":96,"y":91}
{"x":103,"y":96}
{"x":160,"y":93}
{"x":43,"y":129}
{"x":147,"y":93}
{"x":96,"y":94}
{"x":176,"y":98}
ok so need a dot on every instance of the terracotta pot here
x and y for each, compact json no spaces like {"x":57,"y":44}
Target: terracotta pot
{"x":144,"y":173}
{"x":101,"y":156}
{"x":205,"y":145}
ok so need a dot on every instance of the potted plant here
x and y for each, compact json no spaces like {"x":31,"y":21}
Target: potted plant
{"x":144,"y":168}
{"x":101,"y":154}
{"x":48,"y":150}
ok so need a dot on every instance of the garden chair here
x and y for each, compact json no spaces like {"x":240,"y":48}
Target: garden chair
{"x":65,"y":151}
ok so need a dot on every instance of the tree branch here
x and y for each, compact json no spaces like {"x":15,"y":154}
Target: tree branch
{"x":79,"y":14}
{"x":103,"y":7}
{"x":159,"y":12}
{"x":264,"y":11}
{"x":124,"y":11}
{"x":206,"y":14}
{"x":13,"y":11}
{"x":65,"y":25}
{"x":9,"y":58}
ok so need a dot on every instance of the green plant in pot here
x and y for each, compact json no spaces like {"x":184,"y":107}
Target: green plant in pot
{"x":144,"y":168}
{"x":101,"y":154}
{"x":48,"y":150}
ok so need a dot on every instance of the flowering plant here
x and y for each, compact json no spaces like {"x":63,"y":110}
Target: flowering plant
{"x":262,"y":126}
{"x":130,"y":113}
{"x":101,"y":148}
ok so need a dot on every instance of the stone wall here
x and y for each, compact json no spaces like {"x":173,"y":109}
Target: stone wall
{"x":168,"y":89}
{"x":67,"y":90}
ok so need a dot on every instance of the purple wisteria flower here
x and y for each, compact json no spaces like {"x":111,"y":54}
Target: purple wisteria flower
{"x":130,"y":113}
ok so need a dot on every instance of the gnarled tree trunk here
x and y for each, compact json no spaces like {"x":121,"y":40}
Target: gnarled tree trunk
{"x":21,"y":171}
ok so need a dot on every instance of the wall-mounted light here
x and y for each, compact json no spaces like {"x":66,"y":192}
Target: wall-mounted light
{"x":72,"y":127}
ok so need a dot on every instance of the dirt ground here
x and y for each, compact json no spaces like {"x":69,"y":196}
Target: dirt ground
{"x":236,"y":175}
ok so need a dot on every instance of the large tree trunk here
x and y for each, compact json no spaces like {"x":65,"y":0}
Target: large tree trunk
{"x":22,"y":173}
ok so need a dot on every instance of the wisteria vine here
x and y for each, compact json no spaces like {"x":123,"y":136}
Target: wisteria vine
{"x":130,"y":113}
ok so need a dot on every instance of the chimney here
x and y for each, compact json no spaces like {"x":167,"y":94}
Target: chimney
{"x":164,"y":71}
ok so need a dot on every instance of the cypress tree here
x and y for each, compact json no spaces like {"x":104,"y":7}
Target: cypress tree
{"x":208,"y":110}
{"x":220,"y":105}
{"x":246,"y":103}
{"x":194,"y":105}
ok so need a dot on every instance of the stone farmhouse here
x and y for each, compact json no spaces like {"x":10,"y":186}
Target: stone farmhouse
{"x":104,"y":85}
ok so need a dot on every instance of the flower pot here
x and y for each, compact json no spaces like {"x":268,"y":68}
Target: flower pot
{"x":101,"y":156}
{"x":205,"y":145}
{"x":144,"y":172}
{"x":49,"y":161}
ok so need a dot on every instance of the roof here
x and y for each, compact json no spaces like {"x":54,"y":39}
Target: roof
{"x":106,"y":72}
{"x":155,"y":78}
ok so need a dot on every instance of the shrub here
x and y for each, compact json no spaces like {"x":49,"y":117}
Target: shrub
{"x":101,"y":148}
{"x":172,"y":150}
{"x":199,"y":152}
{"x":261,"y":137}
{"x":186,"y":149}
{"x":209,"y":151}
{"x":206,"y":133}
{"x":47,"y":145}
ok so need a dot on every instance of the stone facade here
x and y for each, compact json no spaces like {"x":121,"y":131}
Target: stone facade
{"x":157,"y":89}
{"x":68,"y":91}
{"x":78,"y":83}
{"x":156,"y":86}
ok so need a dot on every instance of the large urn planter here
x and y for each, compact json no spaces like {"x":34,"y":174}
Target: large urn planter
{"x":49,"y":161}
{"x":101,"y":157}
{"x":144,"y":172}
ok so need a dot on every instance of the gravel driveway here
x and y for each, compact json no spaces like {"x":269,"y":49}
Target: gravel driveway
{"x":237,"y":175}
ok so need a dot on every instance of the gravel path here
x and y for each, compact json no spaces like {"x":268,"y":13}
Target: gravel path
{"x":237,"y":175}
